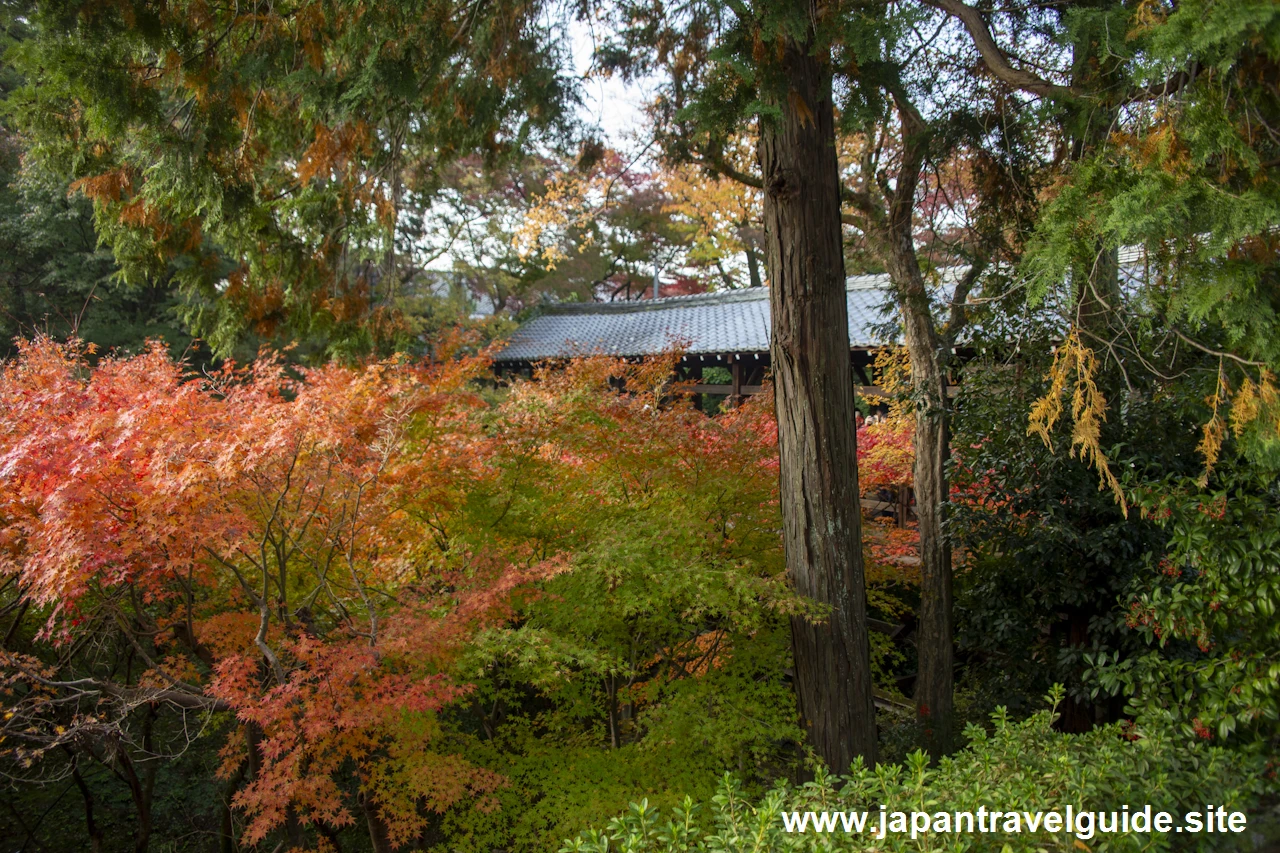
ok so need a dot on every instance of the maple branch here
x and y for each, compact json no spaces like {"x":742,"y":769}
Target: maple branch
{"x":133,"y":696}
{"x":260,"y":639}
{"x":277,"y":506}
{"x":17,"y":599}
{"x":994,"y":57}
{"x":254,"y":598}
{"x":608,"y":190}
{"x":133,"y":641}
{"x":350,"y":556}
{"x":264,"y":612}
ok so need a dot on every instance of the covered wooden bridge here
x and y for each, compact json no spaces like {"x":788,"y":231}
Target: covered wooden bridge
{"x":729,"y":330}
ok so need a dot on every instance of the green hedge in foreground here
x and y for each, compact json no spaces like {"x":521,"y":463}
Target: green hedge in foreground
{"x":1017,"y":767}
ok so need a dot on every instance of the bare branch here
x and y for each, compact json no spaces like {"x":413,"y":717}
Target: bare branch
{"x":1218,"y":353}
{"x":994,"y":57}
{"x":1176,"y":82}
{"x":714,"y":160}
{"x":136,"y":695}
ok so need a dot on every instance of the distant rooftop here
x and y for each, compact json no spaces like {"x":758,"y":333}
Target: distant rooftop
{"x":732,"y":321}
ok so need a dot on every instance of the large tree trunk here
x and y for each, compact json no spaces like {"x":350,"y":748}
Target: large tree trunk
{"x":821,"y":514}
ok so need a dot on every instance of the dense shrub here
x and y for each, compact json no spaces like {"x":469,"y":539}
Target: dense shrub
{"x":1206,"y":605}
{"x":1026,"y":766}
{"x":1046,"y":557}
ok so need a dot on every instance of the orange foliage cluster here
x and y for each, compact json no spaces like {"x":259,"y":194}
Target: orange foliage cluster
{"x":271,"y":537}
{"x":894,"y":553}
{"x":290,"y":545}
{"x":886,"y":454}
{"x":334,"y":151}
{"x":107,"y":187}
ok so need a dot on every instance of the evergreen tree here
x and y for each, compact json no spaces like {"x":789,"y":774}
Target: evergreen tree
{"x":262,"y":154}
{"x":776,"y":67}
{"x":1171,"y":116}
{"x":54,"y":276}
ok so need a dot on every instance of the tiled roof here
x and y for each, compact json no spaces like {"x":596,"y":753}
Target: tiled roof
{"x":727,"y":322}
{"x":734,"y":321}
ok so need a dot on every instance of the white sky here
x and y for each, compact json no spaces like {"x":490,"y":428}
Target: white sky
{"x":616,"y":108}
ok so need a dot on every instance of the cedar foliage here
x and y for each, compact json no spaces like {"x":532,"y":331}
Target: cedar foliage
{"x":262,"y":154}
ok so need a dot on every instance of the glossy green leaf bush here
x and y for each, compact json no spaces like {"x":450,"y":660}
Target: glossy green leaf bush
{"x":1017,"y":766}
{"x":1207,"y":608}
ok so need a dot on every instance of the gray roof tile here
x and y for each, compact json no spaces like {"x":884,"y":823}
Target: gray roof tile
{"x":731,"y":321}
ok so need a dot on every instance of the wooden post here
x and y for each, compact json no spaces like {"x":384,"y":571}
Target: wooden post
{"x":695,"y":372}
{"x":737,"y":379}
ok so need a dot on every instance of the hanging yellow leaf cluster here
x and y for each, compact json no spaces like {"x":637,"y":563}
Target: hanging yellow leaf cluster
{"x":1088,"y":409}
{"x":1215,"y":431}
{"x":1253,"y":405}
{"x":1254,"y":402}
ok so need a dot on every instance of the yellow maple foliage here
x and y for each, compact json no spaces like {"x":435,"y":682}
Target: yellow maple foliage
{"x":722,"y":212}
{"x":570,"y":198}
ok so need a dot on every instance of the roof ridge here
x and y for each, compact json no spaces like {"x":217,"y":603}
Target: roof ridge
{"x":719,"y":297}
{"x":862,"y":281}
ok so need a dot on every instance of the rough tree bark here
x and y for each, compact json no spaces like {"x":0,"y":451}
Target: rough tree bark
{"x":935,"y":629}
{"x":813,"y":386}
{"x":889,"y":223}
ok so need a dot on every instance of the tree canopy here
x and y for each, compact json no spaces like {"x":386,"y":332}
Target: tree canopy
{"x":292,"y":559}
